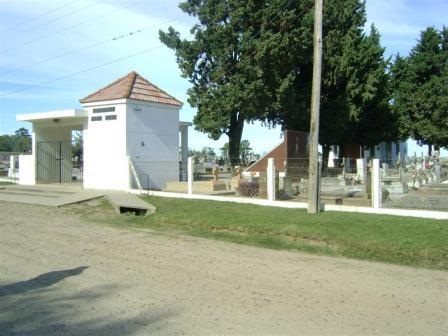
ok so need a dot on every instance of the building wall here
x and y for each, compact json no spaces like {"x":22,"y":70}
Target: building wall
{"x":293,"y":152}
{"x":105,"y":161}
{"x":153,"y":142}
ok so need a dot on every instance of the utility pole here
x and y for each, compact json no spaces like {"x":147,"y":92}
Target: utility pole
{"x":313,"y":185}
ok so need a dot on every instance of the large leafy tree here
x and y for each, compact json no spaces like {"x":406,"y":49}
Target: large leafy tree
{"x":217,"y":63}
{"x":354,"y":94}
{"x":420,"y":89}
{"x":252,"y":60}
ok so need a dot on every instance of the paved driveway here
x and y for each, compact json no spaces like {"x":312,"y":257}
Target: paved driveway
{"x":62,"y":276}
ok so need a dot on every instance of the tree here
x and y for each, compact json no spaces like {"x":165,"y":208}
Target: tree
{"x":354,"y":80}
{"x":420,"y":89}
{"x":208,"y":154}
{"x":245,"y":151}
{"x":20,"y":142}
{"x":77,"y":148}
{"x":252,"y":60}
{"x":217,"y":63}
{"x":225,"y":153}
{"x":6,"y":143}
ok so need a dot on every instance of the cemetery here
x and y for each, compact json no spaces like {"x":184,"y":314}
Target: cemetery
{"x":132,"y":139}
{"x":405,"y":182}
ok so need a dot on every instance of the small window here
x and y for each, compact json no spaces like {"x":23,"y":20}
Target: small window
{"x":111,"y":117}
{"x":104,"y":109}
{"x":96,"y":118}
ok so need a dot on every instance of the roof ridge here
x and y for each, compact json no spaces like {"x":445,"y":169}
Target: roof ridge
{"x":128,"y":91}
{"x":132,"y":86}
{"x":106,"y":87}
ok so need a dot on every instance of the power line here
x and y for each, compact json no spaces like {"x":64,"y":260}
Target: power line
{"x":109,"y":40}
{"x":51,"y":21}
{"x":134,"y":55}
{"x":39,"y":16}
{"x":18,"y":46}
{"x":83,"y":71}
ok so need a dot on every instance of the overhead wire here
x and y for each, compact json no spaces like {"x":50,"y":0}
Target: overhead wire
{"x":82,"y":71}
{"x":124,"y":58}
{"x":90,"y":46}
{"x":38,"y":16}
{"x":51,"y":21}
{"x":20,"y":45}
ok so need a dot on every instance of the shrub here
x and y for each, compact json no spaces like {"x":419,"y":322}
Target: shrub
{"x":248,"y":188}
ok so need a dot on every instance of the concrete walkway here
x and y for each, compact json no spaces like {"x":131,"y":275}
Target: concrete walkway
{"x":48,"y":195}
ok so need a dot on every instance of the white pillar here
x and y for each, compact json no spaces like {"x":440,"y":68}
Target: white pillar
{"x":184,"y":151}
{"x":270,"y":176}
{"x":12,"y":166}
{"x":376,"y":184}
{"x":190,"y":175}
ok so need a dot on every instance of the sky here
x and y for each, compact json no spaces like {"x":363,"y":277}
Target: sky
{"x":55,"y":52}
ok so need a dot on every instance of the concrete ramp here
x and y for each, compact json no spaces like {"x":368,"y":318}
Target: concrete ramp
{"x":129,"y":203}
{"x":48,"y":195}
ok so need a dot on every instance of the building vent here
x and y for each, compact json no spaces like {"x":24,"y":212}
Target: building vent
{"x":104,"y":109}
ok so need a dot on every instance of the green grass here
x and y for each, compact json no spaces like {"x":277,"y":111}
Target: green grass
{"x":391,"y":239}
{"x":5,"y":183}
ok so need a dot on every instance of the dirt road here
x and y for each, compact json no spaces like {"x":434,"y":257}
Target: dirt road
{"x":62,"y":276}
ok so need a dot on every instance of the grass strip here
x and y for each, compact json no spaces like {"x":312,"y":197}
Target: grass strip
{"x":391,"y":239}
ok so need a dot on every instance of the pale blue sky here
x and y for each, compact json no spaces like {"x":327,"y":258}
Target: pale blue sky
{"x":52,"y":51}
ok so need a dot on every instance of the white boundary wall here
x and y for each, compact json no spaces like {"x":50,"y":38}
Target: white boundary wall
{"x":301,"y":205}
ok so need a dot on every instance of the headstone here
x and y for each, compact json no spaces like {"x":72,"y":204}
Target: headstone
{"x":437,"y":172}
{"x":285,"y":184}
{"x":361,"y":170}
{"x":331,"y":159}
{"x":385,"y":167}
{"x":215,"y":173}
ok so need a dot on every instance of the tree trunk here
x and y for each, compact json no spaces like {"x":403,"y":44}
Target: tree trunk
{"x":429,"y":149}
{"x":235,"y":132}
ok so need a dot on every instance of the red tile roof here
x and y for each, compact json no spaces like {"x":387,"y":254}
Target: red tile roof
{"x":132,"y":86}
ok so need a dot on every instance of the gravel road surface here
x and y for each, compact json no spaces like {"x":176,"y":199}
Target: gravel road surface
{"x":60,"y":275}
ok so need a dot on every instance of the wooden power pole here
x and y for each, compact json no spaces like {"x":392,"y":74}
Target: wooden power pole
{"x":313,"y":185}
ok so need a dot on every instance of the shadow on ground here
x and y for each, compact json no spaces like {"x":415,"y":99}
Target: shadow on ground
{"x":36,"y":307}
{"x":41,"y":281}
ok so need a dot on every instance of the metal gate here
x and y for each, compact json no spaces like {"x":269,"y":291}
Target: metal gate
{"x":59,"y":162}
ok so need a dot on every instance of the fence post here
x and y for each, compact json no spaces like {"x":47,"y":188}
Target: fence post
{"x":376,"y":184}
{"x":270,"y":176}
{"x":12,"y":166}
{"x":190,"y":175}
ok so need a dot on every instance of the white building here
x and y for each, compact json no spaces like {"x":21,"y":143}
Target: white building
{"x":130,"y":138}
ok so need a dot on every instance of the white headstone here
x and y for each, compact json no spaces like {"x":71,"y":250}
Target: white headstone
{"x":361,"y":169}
